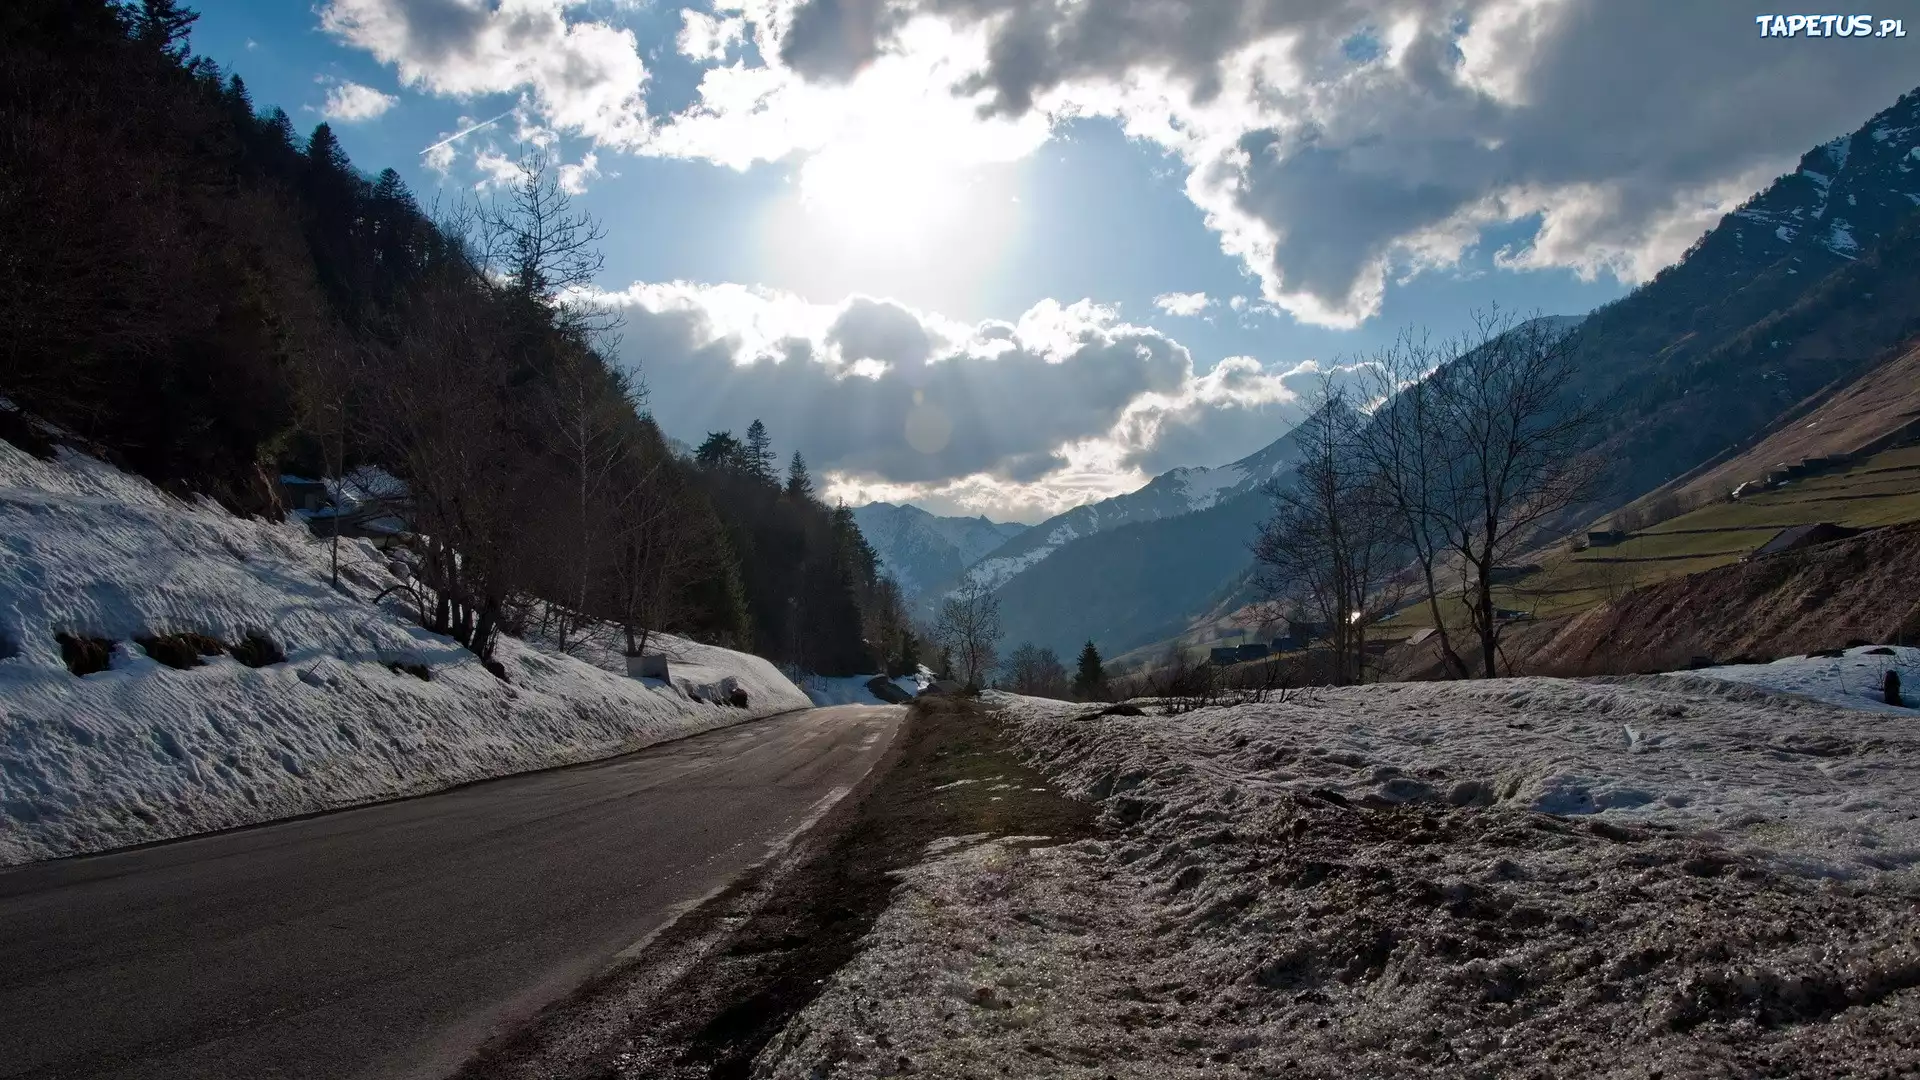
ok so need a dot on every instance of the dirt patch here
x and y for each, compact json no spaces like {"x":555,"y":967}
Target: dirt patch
{"x":181,"y":651}
{"x":726,"y":978}
{"x":85,"y":655}
{"x":1866,"y":588}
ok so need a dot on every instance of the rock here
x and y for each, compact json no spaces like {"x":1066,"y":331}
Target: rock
{"x":647,"y":666}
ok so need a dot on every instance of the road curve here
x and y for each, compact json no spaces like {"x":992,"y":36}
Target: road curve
{"x":392,"y":940}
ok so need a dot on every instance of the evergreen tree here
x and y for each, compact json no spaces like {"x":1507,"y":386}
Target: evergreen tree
{"x":760,"y":456}
{"x":943,"y":669}
{"x":164,"y":25}
{"x":799,"y":484}
{"x":720,"y":451}
{"x":1089,"y":680}
{"x":909,"y":661}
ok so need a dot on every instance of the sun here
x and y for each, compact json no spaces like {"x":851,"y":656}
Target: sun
{"x":872,"y":194}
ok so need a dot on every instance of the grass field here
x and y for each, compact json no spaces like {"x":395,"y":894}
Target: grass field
{"x":1882,"y":490}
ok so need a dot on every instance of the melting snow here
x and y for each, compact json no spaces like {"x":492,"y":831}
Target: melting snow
{"x":144,"y":752}
{"x":1509,"y":878}
{"x":1855,"y":679}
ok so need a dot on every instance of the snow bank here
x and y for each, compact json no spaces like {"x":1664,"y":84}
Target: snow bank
{"x":1854,"y":679}
{"x":852,"y":689}
{"x":1527,"y":877}
{"x":143,"y":752}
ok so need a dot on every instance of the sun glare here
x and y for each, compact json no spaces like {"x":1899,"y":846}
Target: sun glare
{"x":872,"y":194}
{"x":880,"y":217}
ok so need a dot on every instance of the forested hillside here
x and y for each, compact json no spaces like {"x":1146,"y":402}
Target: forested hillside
{"x":210,"y":298}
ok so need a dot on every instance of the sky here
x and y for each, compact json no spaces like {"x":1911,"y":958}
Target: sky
{"x":1009,"y":256}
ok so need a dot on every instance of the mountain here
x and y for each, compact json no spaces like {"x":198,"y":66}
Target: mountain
{"x":1790,"y":296}
{"x":1804,"y":285}
{"x":922,"y":550}
{"x":1185,"y":490}
{"x":1129,"y":582}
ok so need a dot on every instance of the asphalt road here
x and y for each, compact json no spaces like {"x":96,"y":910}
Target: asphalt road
{"x":391,"y":940}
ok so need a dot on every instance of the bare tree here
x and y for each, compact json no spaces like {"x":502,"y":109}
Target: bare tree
{"x":588,"y":410}
{"x":1406,"y":448}
{"x":1036,"y":672}
{"x":663,"y":543}
{"x":1330,"y":546}
{"x":1515,"y":436}
{"x":531,"y":235}
{"x":969,"y":626}
{"x":437,"y":414}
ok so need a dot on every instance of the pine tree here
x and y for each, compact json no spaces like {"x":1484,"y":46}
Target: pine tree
{"x":721,"y":450}
{"x":944,"y":669}
{"x":1090,"y":680}
{"x":799,"y":484}
{"x":760,"y":457}
{"x":909,"y":662}
{"x":164,"y":26}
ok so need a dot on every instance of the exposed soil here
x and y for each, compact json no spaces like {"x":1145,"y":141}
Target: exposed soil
{"x":1863,"y":589}
{"x":709,"y":993}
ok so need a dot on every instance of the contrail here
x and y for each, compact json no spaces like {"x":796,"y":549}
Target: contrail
{"x":467,"y":132}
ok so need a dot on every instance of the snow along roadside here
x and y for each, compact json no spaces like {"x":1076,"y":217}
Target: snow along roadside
{"x":143,"y":752}
{"x":1523,"y":877}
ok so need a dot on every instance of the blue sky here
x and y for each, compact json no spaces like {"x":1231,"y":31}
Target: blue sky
{"x":1010,"y":211}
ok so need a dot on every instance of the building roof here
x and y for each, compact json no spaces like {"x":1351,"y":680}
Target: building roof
{"x":1799,"y":536}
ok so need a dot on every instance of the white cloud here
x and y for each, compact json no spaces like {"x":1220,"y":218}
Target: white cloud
{"x":574,"y":177}
{"x":708,"y":38}
{"x":584,"y":77}
{"x":1623,"y":126}
{"x":350,"y":102}
{"x":1016,"y":419}
{"x":1182,"y":303}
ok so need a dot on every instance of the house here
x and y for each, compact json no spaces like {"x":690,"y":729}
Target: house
{"x":1606,"y":537}
{"x":302,"y":494}
{"x":1795,"y":537}
{"x":1307,"y":631}
{"x":1223,"y":655}
{"x":1253,"y":650}
{"x":1288,"y":644}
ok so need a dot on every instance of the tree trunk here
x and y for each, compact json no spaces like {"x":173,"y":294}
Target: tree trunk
{"x":1489,"y":634}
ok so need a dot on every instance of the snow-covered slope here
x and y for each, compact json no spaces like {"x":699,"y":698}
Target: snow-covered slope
{"x":1855,"y":679}
{"x":1184,"y":490}
{"x":1844,"y":196}
{"x":143,"y":752}
{"x":924,"y":551}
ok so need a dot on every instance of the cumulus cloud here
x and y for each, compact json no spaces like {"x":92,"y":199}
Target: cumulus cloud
{"x":1338,"y":144}
{"x":1333,"y":145}
{"x":1065,"y":403}
{"x":1182,"y":303}
{"x":708,"y":38}
{"x":349,"y":102}
{"x":586,"y":77}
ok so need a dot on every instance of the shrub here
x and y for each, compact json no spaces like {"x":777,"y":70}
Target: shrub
{"x":498,"y":669}
{"x":182,"y":650}
{"x":258,"y":650}
{"x":418,"y":671}
{"x":84,"y":655}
